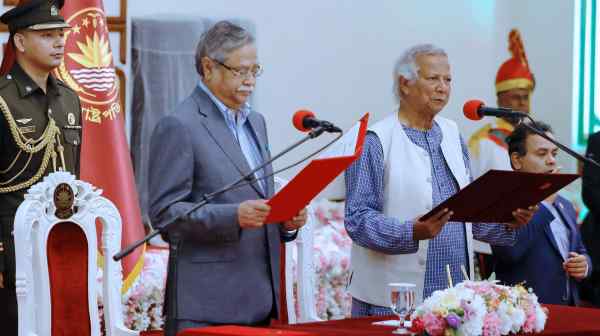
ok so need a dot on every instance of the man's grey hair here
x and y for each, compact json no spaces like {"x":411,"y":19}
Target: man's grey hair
{"x":220,"y":40}
{"x":406,"y":66}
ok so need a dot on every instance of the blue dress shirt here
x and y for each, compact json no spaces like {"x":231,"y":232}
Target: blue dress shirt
{"x":242,"y":132}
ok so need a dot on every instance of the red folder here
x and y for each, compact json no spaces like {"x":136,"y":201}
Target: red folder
{"x":496,"y":194}
{"x":296,"y":195}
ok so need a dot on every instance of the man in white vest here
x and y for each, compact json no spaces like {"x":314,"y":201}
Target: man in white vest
{"x":412,"y":161}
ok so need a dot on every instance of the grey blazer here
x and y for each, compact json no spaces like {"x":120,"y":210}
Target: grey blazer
{"x":218,"y":273}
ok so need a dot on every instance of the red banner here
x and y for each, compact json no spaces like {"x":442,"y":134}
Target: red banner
{"x":88,"y":69}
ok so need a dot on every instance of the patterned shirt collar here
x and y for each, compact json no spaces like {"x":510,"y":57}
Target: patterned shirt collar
{"x":229,"y":114}
{"x":434,"y":134}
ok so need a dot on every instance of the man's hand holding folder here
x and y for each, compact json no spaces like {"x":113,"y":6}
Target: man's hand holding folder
{"x":430,"y":227}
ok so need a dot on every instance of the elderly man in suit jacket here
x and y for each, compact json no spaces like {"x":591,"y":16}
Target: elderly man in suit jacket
{"x":549,"y":255}
{"x":224,"y":261}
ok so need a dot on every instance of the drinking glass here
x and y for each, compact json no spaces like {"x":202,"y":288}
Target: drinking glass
{"x":403,"y":302}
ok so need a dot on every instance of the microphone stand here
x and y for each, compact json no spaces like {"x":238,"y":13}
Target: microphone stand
{"x":558,"y":144}
{"x":206,"y":198}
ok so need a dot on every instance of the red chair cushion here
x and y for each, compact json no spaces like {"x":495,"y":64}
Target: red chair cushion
{"x":68,"y":268}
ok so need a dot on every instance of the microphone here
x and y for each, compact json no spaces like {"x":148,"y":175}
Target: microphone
{"x":476,"y":109}
{"x":304,"y":121}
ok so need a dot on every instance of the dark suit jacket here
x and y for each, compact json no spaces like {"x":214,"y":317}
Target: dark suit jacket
{"x":590,"y":231}
{"x":218,"y":273}
{"x":536,"y":259}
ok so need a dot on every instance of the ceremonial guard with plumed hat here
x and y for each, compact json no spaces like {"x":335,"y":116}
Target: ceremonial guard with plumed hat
{"x":488,"y":147}
{"x":514,"y":85}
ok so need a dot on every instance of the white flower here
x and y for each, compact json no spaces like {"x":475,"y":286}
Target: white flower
{"x":450,"y":300}
{"x":518,"y":319}
{"x":474,"y":326}
{"x":505,"y":314}
{"x":540,"y":318}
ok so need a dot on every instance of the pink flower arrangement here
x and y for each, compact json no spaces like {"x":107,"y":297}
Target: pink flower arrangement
{"x":479,"y":308}
{"x":491,"y":324}
{"x":434,"y":325}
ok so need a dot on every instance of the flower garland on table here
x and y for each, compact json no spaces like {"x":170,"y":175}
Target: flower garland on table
{"x":479,"y":308}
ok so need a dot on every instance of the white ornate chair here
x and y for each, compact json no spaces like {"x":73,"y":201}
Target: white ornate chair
{"x":56,"y":260}
{"x":300,"y":249}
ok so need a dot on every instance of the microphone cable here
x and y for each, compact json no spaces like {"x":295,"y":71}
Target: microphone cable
{"x":252,"y":180}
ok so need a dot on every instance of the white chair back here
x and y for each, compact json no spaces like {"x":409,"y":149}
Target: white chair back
{"x":300,"y":253}
{"x":57,"y":201}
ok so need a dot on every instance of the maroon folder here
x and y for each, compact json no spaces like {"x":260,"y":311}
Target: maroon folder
{"x":494,"y":196}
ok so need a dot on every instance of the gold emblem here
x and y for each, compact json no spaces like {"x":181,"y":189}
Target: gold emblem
{"x":71,"y":119}
{"x":63,"y":201}
{"x":53,"y":10}
{"x":88,"y":67}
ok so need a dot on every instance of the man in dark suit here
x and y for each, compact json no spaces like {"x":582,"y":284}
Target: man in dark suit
{"x":224,"y":261}
{"x":590,"y":230}
{"x":549,"y":255}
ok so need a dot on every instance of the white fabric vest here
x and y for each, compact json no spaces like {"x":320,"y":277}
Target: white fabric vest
{"x":407,"y":195}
